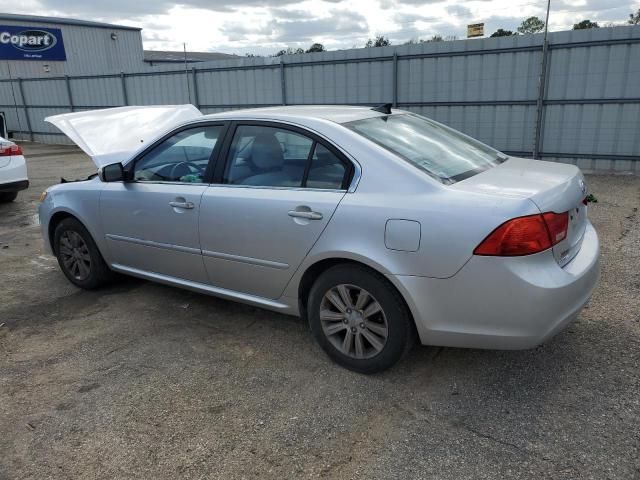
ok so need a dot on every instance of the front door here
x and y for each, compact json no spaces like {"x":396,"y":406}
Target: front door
{"x":151,"y":223}
{"x":276,"y":195}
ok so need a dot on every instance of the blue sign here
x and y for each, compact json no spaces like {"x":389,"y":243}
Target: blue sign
{"x":31,"y":43}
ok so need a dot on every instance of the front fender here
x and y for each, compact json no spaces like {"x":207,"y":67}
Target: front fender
{"x":80,"y":200}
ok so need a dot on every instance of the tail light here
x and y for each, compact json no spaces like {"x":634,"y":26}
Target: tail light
{"x":558,"y":224}
{"x":7,"y":149}
{"x":525,"y":235}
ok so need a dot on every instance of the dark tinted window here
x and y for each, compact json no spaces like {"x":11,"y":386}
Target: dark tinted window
{"x":181,"y":158}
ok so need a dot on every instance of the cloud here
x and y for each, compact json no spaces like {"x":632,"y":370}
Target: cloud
{"x":339,"y":23}
{"x":266,"y":26}
{"x":458,"y":10}
{"x":405,"y":18}
{"x":141,"y":8}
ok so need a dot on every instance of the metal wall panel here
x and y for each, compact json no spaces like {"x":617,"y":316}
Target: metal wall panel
{"x":487,"y":88}
{"x":44,"y":92}
{"x":88,"y":49}
{"x":96,"y":91}
{"x":37,"y":116}
{"x":593,"y":129}
{"x":239,"y":87}
{"x":343,"y":83}
{"x":158,"y":89}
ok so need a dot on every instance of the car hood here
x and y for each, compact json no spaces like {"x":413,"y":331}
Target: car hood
{"x":115,"y":134}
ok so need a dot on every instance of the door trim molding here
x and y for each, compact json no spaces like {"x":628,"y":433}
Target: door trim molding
{"x":250,"y":260}
{"x":151,"y":243}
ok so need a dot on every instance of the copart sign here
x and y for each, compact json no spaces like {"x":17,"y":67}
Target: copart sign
{"x":31,"y":43}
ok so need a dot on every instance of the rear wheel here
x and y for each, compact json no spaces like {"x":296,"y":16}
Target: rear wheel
{"x":6,"y":197}
{"x":78,"y":256}
{"x":359,"y":319}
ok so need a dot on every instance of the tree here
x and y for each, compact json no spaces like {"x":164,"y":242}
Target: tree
{"x":379,"y":41}
{"x":415,"y":41}
{"x":289,"y":51}
{"x":634,"y":18}
{"x":531,"y":25}
{"x":316,"y":47}
{"x":503,"y":33}
{"x":585,"y":24}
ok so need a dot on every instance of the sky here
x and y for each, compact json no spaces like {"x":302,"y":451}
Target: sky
{"x":263,"y":27}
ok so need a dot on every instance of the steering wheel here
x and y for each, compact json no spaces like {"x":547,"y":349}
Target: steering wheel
{"x":189,"y":166}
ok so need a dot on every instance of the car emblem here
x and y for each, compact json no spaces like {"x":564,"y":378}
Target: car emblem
{"x":583,"y":186}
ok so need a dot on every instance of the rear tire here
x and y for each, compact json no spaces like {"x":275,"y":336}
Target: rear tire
{"x":359,"y":319}
{"x":6,"y":197}
{"x":78,"y":256}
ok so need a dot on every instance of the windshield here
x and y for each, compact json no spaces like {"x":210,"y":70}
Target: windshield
{"x":444,"y":153}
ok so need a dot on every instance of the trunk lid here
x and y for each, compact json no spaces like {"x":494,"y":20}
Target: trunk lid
{"x":116,"y":134}
{"x":553,"y":187}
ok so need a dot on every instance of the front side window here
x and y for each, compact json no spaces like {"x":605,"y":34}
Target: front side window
{"x":182,"y":157}
{"x":442,"y":152}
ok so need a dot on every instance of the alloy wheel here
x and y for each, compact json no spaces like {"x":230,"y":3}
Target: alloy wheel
{"x":353,"y":321}
{"x":74,"y":254}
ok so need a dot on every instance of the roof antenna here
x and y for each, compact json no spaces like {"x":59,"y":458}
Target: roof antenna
{"x":384,"y":108}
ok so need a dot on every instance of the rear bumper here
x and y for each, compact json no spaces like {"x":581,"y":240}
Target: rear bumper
{"x":503,"y":303}
{"x":13,"y":174}
{"x":14,"y":186}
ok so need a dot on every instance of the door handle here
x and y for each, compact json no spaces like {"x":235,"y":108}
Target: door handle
{"x":186,"y":205}
{"x":305,"y":214}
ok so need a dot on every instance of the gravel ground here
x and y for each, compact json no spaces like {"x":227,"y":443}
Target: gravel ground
{"x":146,"y":381}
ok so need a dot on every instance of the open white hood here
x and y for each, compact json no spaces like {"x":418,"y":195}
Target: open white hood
{"x":115,"y":134}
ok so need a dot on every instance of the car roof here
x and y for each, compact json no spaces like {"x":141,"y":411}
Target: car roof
{"x":334,"y":113}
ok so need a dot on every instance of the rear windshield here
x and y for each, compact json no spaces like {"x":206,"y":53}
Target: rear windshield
{"x":444,"y":153}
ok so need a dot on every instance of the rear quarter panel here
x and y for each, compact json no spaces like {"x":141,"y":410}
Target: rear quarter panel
{"x":452,"y":222}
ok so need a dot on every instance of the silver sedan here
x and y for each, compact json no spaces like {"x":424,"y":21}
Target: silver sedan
{"x":379,"y":226}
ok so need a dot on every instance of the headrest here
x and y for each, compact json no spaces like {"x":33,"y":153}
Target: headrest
{"x":266,"y":152}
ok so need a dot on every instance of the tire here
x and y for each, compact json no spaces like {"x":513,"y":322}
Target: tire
{"x":331,"y":324}
{"x":6,"y":197}
{"x":78,"y":256}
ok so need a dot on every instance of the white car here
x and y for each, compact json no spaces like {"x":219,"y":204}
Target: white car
{"x":13,"y":171}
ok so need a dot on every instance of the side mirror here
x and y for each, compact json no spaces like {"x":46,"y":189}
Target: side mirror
{"x":112,"y":173}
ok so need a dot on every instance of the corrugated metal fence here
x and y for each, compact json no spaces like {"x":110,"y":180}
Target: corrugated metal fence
{"x":576,"y":101}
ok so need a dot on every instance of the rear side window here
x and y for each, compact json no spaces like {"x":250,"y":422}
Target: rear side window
{"x":267,"y":156}
{"x":326,"y":169}
{"x":442,"y":152}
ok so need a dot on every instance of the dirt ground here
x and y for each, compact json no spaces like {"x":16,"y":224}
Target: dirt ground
{"x":146,"y":381}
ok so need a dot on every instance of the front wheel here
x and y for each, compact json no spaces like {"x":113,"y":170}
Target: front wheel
{"x":78,"y":256}
{"x":359,"y":319}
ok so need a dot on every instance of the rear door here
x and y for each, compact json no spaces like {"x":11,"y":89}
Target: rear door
{"x":151,"y":223}
{"x":269,"y":203}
